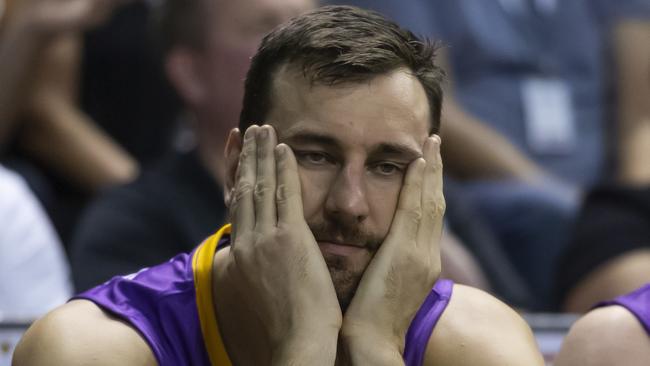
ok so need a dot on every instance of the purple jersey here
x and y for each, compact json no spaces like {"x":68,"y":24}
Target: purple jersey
{"x":637,"y":302}
{"x":171,"y":306}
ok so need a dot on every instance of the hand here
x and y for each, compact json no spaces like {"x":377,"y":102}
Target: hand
{"x":55,"y":16}
{"x":274,"y":258}
{"x":405,"y":267}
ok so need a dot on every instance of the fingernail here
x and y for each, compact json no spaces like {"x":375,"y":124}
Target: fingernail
{"x":421,"y":163}
{"x":264,"y":133}
{"x":437,"y":139}
{"x":281,"y":150}
{"x":250,"y":132}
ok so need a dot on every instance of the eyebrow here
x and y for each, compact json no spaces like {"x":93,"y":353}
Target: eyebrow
{"x":396,"y":149}
{"x":313,"y":138}
{"x":383,"y":149}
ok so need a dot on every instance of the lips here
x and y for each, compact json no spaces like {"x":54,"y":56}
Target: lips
{"x":340,"y":249}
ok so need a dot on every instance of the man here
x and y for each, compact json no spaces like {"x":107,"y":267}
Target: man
{"x":616,"y":333}
{"x":207,"y":46}
{"x":334,"y":248}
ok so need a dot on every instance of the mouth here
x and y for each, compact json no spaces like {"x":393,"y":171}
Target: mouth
{"x":341,"y":249}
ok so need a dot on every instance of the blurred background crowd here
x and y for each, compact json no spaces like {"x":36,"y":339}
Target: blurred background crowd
{"x":114,"y":113}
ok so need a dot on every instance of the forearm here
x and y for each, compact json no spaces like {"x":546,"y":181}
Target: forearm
{"x":59,"y":133}
{"x":632,"y":55}
{"x":473,"y":150}
{"x":19,"y":46}
{"x":634,"y":150}
{"x":71,"y":144}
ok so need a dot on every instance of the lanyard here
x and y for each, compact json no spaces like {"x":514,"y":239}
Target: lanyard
{"x":3,"y":7}
{"x":521,"y":7}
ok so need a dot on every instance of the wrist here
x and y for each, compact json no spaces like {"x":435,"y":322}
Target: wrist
{"x":370,"y":347}
{"x":313,"y":348}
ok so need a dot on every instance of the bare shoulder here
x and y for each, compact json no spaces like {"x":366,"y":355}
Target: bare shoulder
{"x":478,"y":329}
{"x":80,"y":333}
{"x":606,"y":336}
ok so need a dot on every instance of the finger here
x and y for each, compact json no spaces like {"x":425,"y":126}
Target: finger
{"x":243,"y":205}
{"x":433,"y":203}
{"x":265,"y":208}
{"x":288,"y":194}
{"x":441,"y":204}
{"x":408,"y":214}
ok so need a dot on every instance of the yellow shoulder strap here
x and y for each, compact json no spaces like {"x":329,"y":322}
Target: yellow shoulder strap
{"x":202,"y":268}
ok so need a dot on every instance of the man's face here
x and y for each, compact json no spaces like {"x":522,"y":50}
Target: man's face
{"x":353,"y":143}
{"x":232,"y":39}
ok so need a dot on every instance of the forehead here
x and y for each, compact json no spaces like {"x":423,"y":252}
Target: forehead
{"x":389,"y":108}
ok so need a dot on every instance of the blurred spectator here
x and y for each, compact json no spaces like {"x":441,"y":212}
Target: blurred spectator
{"x":610,"y":251}
{"x":539,"y":73}
{"x":507,"y":56}
{"x":123,"y":85}
{"x":39,"y":117}
{"x":34,"y":273}
{"x":207,"y":47}
{"x":40,"y":123}
{"x":616,"y":333}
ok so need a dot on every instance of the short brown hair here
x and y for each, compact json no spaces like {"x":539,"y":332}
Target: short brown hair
{"x":339,"y":44}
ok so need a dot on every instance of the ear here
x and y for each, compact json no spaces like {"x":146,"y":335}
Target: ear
{"x":231,"y":154}
{"x":182,"y":68}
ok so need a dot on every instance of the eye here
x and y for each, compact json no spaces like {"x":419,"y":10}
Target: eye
{"x":387,"y":168}
{"x":313,"y":158}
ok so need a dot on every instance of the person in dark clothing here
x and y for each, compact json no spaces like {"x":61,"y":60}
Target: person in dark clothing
{"x":173,"y":206}
{"x":610,"y":251}
{"x":123,"y":84}
{"x":176,"y":204}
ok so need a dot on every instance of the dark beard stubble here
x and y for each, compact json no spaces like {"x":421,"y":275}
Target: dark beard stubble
{"x":345,"y":277}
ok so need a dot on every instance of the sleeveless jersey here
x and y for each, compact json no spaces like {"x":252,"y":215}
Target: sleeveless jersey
{"x":637,"y":302}
{"x":171,"y":306}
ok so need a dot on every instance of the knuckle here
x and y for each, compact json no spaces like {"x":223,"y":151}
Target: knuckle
{"x":261,"y":189}
{"x":284,"y":193}
{"x":240,"y":254}
{"x":439,"y":207}
{"x":435,"y":207}
{"x":247,"y":151}
{"x":411,"y":215}
{"x":282,"y":233}
{"x":243,"y":188}
{"x":437,"y":166}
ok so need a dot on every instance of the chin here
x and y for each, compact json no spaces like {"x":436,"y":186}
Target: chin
{"x":345,"y":278}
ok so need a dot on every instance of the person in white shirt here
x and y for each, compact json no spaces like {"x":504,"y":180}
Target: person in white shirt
{"x":34,"y":272}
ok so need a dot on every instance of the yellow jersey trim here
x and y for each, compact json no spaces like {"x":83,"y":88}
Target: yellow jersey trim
{"x":202,"y":269}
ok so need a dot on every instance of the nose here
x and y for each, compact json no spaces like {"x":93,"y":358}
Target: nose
{"x":347,"y":199}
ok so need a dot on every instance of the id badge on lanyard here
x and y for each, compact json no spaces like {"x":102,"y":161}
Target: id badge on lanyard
{"x":548,"y":113}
